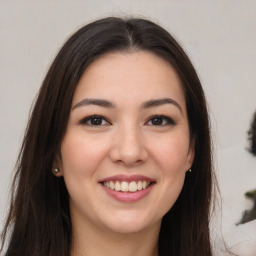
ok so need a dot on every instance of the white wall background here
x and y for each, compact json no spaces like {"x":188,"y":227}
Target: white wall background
{"x":220,"y":38}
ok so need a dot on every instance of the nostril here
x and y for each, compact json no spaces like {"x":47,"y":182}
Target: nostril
{"x":128,"y":152}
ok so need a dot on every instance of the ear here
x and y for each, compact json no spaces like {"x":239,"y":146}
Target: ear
{"x":191,"y":154}
{"x":57,"y":166}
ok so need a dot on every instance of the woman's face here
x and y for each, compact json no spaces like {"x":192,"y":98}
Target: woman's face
{"x":127,"y":148}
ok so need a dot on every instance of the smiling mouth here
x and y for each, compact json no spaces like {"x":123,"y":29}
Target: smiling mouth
{"x":124,"y":186}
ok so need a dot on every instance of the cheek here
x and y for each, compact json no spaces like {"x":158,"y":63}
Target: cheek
{"x":171,"y":154}
{"x":80,"y":155}
{"x":171,"y":158}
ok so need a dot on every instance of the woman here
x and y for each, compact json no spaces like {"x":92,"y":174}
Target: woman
{"x":116,"y":159}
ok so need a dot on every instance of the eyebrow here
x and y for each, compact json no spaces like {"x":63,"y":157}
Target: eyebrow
{"x":97,"y":102}
{"x":108,"y":104}
{"x":159,"y":102}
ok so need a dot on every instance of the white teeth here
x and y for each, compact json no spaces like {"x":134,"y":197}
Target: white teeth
{"x":106,"y":184}
{"x":139,"y":185}
{"x":125,"y":186}
{"x":133,"y":186}
{"x":117,"y":186}
{"x":144,"y":184}
{"x":111,"y":185}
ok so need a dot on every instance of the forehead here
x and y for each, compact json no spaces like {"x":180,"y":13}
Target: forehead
{"x":137,"y":75}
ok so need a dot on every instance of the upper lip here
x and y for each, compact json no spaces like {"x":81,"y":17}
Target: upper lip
{"x":127,"y":178}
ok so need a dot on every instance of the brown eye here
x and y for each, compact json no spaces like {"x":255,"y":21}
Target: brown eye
{"x":95,"y":120}
{"x":160,"y":120}
{"x":157,"y":121}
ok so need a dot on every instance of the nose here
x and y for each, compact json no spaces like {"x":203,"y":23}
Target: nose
{"x":128,"y":147}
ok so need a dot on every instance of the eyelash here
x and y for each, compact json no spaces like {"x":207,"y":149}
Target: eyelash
{"x":88,"y":118}
{"x":167,"y":120}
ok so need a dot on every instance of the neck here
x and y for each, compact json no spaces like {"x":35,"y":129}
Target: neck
{"x":88,"y":241}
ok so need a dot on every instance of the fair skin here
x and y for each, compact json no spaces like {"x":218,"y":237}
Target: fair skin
{"x":128,"y":118}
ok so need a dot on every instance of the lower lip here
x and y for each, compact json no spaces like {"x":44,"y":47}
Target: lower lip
{"x":128,"y":196}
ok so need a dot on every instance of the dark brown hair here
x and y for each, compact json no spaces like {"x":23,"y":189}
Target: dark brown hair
{"x":39,"y":220}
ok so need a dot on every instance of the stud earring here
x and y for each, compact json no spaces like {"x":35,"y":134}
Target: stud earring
{"x":190,"y":170}
{"x":56,"y":171}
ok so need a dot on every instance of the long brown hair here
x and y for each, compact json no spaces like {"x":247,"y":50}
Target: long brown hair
{"x":39,"y":221}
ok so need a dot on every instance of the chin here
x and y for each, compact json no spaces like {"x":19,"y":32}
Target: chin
{"x":129,"y":223}
{"x":128,"y":229}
